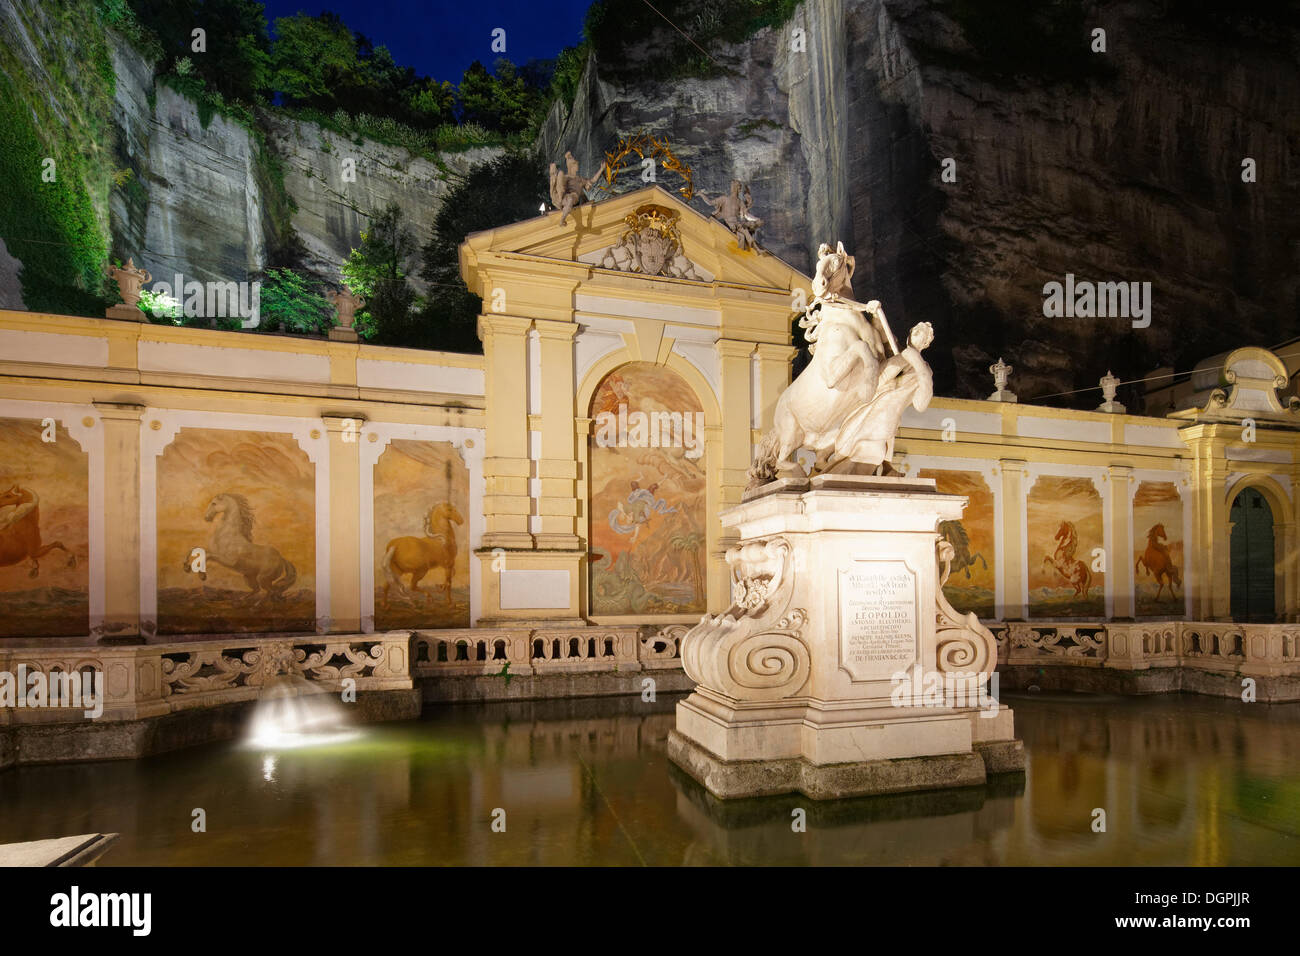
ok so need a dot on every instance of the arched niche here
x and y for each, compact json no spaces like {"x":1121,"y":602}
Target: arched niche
{"x":647,"y":495}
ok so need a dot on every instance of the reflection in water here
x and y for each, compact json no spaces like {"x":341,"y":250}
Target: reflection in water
{"x":1182,"y":780}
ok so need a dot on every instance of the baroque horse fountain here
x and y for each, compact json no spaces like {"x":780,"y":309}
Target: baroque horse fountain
{"x":840,"y":668}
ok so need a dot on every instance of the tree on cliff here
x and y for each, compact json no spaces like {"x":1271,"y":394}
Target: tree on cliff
{"x":502,"y":100}
{"x":376,"y":271}
{"x":507,"y":189}
{"x":236,"y":59}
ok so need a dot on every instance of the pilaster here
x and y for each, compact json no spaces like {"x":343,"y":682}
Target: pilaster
{"x":557,"y":469}
{"x":121,"y":506}
{"x":773,"y":378}
{"x":1118,"y":509}
{"x":506,"y":465}
{"x":1012,"y":552}
{"x":345,"y":520}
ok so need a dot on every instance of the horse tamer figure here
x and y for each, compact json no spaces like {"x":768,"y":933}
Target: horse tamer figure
{"x":847,"y":404}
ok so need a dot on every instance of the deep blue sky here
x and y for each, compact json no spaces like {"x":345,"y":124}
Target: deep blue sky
{"x":440,"y":38}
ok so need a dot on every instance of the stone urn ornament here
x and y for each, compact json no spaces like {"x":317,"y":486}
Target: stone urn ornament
{"x":1001,"y":372}
{"x":345,"y":302}
{"x":1109,"y":385}
{"x":130,"y":282}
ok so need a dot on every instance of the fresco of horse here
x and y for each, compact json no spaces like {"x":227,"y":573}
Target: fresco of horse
{"x":1157,"y":562}
{"x":20,"y":531}
{"x":1073,"y":572}
{"x":1064,"y":523}
{"x":973,"y":539}
{"x":264,"y":569}
{"x":417,"y":556}
{"x":1158,"y":559}
{"x":955,"y":534}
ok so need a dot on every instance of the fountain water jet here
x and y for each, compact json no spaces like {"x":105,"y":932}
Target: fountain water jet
{"x":294,"y":712}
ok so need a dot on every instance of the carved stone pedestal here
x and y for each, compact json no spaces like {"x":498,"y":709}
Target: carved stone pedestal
{"x":840,"y":669}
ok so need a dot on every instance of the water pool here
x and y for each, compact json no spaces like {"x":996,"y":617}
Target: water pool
{"x":1183,"y":780}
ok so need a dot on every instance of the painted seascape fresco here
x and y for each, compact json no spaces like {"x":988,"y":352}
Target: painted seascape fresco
{"x":421,"y":536}
{"x":1158,"y":549}
{"x":971,"y":584}
{"x":647,"y":494}
{"x":236,"y":533}
{"x":1066,"y":579}
{"x":44,"y":537}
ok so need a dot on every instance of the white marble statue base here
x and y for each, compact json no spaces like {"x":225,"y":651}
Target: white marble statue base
{"x":816,"y":679}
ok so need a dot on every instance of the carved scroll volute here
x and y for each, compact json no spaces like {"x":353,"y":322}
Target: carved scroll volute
{"x":755,"y":650}
{"x":962,"y":644}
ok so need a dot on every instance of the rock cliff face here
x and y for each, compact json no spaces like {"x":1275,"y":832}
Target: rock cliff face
{"x":1117,"y":166}
{"x":199,"y":207}
{"x":208,"y":206}
{"x":331,"y":203}
{"x":220,"y":201}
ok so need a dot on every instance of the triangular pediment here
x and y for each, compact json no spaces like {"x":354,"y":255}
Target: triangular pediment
{"x":594,"y":228}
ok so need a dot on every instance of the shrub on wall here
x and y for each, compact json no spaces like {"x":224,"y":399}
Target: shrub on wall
{"x":293,"y":303}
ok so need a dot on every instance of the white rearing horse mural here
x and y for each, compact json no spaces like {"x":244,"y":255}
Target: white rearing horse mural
{"x":236,"y":533}
{"x":264,"y":569}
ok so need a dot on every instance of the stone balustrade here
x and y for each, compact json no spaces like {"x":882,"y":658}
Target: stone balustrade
{"x":152,"y":680}
{"x":546,"y":650}
{"x":1271,"y":650}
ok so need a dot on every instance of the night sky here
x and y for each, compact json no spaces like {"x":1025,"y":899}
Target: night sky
{"x":440,"y":38}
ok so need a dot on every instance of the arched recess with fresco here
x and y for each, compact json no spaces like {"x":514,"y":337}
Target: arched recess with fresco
{"x":648,"y":527}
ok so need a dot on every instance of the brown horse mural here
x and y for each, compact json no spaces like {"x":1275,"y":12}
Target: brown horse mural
{"x":1157,"y":562}
{"x":45,"y":518}
{"x":20,"y":531}
{"x":416,"y":557}
{"x":264,"y":569}
{"x":1063,"y":521}
{"x":1072,"y":572}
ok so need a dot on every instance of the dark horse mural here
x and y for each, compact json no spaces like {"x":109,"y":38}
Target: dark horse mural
{"x":20,"y":531}
{"x":955,"y":534}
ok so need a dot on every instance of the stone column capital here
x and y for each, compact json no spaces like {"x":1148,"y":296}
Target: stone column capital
{"x":119,"y":411}
{"x":492,"y":323}
{"x":555,"y":329}
{"x":775,"y":353}
{"x":735,"y":348}
{"x":335,"y":423}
